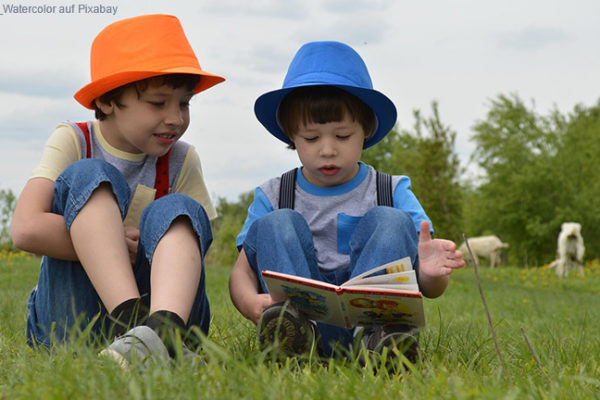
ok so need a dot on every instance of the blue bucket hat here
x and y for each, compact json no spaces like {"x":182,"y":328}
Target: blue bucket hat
{"x":334,"y":64}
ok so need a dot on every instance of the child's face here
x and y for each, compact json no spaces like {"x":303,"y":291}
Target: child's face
{"x":150,"y":124}
{"x":330,"y":152}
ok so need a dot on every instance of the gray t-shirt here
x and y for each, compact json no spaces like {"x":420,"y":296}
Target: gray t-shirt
{"x":332,"y":213}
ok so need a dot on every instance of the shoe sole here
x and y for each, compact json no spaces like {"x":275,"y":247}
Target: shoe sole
{"x":406,"y":344}
{"x":108,"y":354}
{"x":291,"y":333}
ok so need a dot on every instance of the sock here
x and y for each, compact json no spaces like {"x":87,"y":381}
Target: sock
{"x":166,"y":324}
{"x":126,"y":315}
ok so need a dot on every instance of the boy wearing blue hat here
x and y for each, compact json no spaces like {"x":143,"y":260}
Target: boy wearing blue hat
{"x":334,"y":217}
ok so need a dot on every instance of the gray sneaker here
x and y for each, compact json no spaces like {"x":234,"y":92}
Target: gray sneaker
{"x":282,"y":325}
{"x":391,"y":340}
{"x":191,"y":358}
{"x":140,"y":344}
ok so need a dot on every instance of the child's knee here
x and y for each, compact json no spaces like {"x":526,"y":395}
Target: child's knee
{"x":284,"y":224}
{"x":159,"y":215}
{"x":84,"y":176}
{"x":90,"y":169}
{"x":388,"y":216}
{"x":174,"y":205}
{"x":80,"y":180}
{"x":284,"y":216}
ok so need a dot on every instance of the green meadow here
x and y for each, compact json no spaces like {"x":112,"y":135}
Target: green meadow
{"x":547,"y":332}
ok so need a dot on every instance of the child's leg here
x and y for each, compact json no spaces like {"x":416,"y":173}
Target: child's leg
{"x":281,"y":241}
{"x":98,"y":237}
{"x":174,"y":237}
{"x":384,"y":234}
{"x":64,"y":292}
{"x":176,"y":268}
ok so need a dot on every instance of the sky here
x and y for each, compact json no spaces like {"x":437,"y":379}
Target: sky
{"x":460,"y":53}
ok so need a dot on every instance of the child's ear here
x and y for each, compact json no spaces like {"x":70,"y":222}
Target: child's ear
{"x":106,"y":108}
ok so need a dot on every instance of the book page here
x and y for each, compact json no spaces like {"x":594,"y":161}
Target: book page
{"x":401,"y":280}
{"x":405,"y":288}
{"x":368,"y":308}
{"x":397,"y":266}
{"x":318,"y":300}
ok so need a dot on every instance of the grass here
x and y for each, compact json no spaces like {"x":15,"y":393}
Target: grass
{"x":560,"y":317}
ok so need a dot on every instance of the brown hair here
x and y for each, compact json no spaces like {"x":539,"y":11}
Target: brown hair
{"x":176,"y":81}
{"x":322,"y":104}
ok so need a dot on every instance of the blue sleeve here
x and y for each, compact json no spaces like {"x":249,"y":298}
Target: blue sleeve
{"x":405,"y":200}
{"x":260,"y":206}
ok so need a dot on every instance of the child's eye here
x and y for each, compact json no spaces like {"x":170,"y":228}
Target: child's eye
{"x":311,"y":139}
{"x":184,"y":104}
{"x":157,"y":103}
{"x":343,"y":137}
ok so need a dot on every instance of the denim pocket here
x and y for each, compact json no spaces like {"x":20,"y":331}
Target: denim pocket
{"x":346,"y":224}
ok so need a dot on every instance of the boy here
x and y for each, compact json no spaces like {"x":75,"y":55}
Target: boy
{"x":332,"y":229}
{"x":118,"y":206}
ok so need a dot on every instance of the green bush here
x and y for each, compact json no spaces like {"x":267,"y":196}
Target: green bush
{"x":225,"y":229}
{"x":7,"y":208}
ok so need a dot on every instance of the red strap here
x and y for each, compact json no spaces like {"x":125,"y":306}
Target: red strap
{"x":161,"y":181}
{"x":86,"y":133}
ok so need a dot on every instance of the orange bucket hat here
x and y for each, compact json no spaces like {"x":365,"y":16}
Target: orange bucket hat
{"x":138,"y":48}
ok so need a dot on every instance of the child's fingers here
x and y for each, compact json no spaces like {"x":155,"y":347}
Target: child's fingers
{"x":424,"y":233}
{"x":447,"y":245}
{"x":454,"y":262}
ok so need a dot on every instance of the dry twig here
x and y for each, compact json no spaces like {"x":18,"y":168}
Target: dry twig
{"x":487,"y":312}
{"x":537,"y":361}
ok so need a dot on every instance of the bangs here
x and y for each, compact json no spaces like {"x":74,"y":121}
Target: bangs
{"x":320,"y":105}
{"x":321,"y":111}
{"x":176,"y":81}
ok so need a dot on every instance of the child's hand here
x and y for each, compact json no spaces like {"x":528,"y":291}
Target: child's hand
{"x":437,"y":257}
{"x":132,"y":238}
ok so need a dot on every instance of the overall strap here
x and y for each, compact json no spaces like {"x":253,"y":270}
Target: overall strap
{"x":86,"y":134}
{"x":384,"y":190}
{"x":161,"y":181}
{"x":287,"y":188}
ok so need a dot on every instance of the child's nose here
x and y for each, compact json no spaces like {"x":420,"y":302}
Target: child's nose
{"x":174,"y":116}
{"x":328,"y":148}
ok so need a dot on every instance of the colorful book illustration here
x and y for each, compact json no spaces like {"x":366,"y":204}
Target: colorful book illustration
{"x":385,"y":294}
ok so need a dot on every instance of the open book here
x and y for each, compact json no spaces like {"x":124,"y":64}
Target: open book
{"x":367,"y":299}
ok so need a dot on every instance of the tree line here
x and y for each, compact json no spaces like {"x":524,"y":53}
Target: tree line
{"x":540,"y":171}
{"x":537,"y":171}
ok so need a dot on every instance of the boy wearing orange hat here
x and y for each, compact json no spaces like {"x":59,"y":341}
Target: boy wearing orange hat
{"x":118,"y":206}
{"x":334,"y":217}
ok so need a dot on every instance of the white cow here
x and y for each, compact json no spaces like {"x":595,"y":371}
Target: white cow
{"x":488,"y":247}
{"x":570,"y":249}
